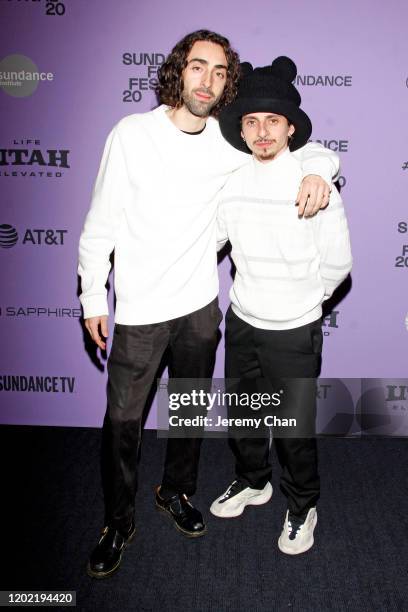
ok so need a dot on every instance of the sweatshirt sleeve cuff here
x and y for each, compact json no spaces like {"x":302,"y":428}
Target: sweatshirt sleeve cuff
{"x":329,"y":289}
{"x":94,"y":306}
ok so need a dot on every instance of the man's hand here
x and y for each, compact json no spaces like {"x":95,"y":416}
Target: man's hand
{"x":92,"y":325}
{"x":313,"y":195}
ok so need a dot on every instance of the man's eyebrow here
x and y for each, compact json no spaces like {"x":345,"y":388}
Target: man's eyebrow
{"x":268,"y":116}
{"x":203,"y":61}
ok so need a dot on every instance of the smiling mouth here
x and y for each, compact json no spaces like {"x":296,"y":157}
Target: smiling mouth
{"x":264,"y":143}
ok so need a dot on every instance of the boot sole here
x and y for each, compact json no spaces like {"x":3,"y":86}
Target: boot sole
{"x":187,"y":534}
{"x":101,"y":575}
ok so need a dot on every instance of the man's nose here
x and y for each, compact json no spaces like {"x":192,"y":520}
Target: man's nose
{"x":206,"y":80}
{"x":262,"y":130}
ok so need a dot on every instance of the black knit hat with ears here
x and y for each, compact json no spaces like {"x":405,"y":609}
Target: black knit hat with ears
{"x":266,"y":90}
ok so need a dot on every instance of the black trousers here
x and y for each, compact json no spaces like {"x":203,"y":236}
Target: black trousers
{"x":271,"y":361}
{"x":136,"y":353}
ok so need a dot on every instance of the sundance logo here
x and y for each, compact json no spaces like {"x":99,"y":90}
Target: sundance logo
{"x":20,"y":77}
{"x":335,"y":145}
{"x":38,"y":384}
{"x":324,"y":80}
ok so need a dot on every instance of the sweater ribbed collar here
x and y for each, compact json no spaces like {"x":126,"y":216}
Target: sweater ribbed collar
{"x":170,"y":127}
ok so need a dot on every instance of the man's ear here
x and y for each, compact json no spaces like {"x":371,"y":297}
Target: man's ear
{"x":292,"y":130}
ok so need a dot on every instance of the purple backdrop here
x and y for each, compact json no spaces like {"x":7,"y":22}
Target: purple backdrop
{"x":354,"y":84}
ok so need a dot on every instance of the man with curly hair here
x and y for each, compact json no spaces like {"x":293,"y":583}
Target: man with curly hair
{"x":154,"y":204}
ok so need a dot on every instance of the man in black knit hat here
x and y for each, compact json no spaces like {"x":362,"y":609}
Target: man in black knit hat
{"x":286,"y":267}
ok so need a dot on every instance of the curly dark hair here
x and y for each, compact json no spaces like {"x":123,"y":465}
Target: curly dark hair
{"x":170,"y":80}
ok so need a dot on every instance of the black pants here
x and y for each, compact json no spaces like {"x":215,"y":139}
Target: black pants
{"x":287,"y":359}
{"x":132,"y":366}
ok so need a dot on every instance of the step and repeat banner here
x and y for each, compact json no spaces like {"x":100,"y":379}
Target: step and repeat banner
{"x":69,"y":70}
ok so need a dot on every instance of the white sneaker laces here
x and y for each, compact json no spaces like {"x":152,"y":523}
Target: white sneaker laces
{"x":228,"y":492}
{"x":294,"y":526}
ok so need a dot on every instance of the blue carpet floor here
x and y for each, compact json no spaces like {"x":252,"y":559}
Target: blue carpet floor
{"x":52,"y":496}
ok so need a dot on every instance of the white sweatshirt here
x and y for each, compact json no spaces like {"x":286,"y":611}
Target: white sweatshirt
{"x":154,"y":204}
{"x":285,"y":266}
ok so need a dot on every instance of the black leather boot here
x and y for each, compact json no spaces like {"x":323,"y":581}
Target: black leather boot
{"x":107,"y":555}
{"x":187,"y":519}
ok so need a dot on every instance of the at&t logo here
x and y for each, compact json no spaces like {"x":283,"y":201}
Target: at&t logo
{"x":39,"y":237}
{"x":8,"y":236}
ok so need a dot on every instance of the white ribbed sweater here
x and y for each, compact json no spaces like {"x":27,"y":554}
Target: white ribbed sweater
{"x":154,"y":204}
{"x":285,"y":266}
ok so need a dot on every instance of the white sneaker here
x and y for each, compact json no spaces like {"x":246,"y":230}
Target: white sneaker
{"x":297,"y":535}
{"x":232,"y":503}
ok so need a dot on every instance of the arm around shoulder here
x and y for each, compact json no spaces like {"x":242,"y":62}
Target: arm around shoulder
{"x":317,"y":159}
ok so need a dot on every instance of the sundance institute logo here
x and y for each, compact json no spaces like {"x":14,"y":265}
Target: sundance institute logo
{"x":8,"y":236}
{"x":20,"y":77}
